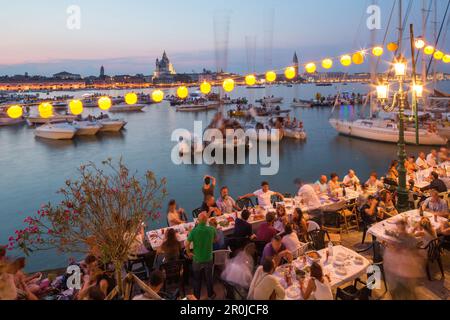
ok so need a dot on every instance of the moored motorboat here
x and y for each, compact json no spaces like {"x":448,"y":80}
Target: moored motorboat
{"x":298,"y":134}
{"x":384,"y":131}
{"x":301,"y":104}
{"x":57,"y":118}
{"x":271,"y":100}
{"x":126,"y":108}
{"x":57,"y":131}
{"x":111,"y":125}
{"x":198,"y":107}
{"x":6,"y":121}
{"x":87,"y":128}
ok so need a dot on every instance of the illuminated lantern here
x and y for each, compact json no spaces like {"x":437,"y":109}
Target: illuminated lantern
{"x":446,"y":58}
{"x":45,"y":110}
{"x":205,"y":87}
{"x":250,"y":80}
{"x":157,"y":96}
{"x":182,"y":92}
{"x":311,"y":67}
{"x":271,"y":76}
{"x":418,"y":90}
{"x":419,"y":43}
{"x":327,"y":63}
{"x":382,"y":91}
{"x":76,"y":107}
{"x":438,"y":55}
{"x":228,"y":85}
{"x":104,"y":103}
{"x":131,"y":98}
{"x":392,"y":46}
{"x":290,"y":73}
{"x":378,"y":51}
{"x":346,"y":60}
{"x":429,"y":50}
{"x":14,"y":112}
{"x":358,"y":58}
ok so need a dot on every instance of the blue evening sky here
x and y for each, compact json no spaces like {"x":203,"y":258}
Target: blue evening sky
{"x":126,"y":36}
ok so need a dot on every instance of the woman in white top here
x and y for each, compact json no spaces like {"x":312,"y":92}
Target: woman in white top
{"x":290,"y":239}
{"x":318,"y":285}
{"x":265,"y":286}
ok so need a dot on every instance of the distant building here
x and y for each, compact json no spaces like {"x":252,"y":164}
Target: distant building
{"x":164,"y":70}
{"x":102,"y":73}
{"x":66,"y":76}
{"x":295,"y":63}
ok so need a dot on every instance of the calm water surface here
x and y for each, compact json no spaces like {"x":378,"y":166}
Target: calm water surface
{"x":32,"y":170}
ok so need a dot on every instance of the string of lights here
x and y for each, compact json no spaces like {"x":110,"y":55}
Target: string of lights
{"x":357,"y":58}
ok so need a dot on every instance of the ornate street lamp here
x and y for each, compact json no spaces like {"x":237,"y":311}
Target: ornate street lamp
{"x":400,"y":101}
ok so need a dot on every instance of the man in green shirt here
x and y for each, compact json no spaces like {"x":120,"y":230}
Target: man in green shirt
{"x":202,"y":237}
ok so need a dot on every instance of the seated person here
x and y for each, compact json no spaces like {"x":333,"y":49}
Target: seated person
{"x":351,"y":179}
{"x":264,"y":195}
{"x":425,"y":232}
{"x":226,"y":203}
{"x":421,"y":162}
{"x":392,"y":173}
{"x":170,"y":249}
{"x":436,"y":205}
{"x":369,"y":211}
{"x":410,"y":166}
{"x":281,"y":219}
{"x":307,"y":195}
{"x":322,"y":185}
{"x":174,"y":215}
{"x":266,"y":231}
{"x":277,"y":251}
{"x":436,"y":184}
{"x":334,"y":184}
{"x":219,"y":243}
{"x":290,"y":239}
{"x":373,"y":183}
{"x":265,"y":286}
{"x":299,"y":223}
{"x":363,"y":196}
{"x":210,"y":207}
{"x":242,"y":228}
{"x":318,"y":285}
{"x":432,"y":158}
{"x":386,"y":205}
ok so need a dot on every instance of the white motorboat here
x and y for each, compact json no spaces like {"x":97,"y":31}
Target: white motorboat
{"x":298,"y":134}
{"x":110,"y":125}
{"x":58,"y":131}
{"x":126,"y":108}
{"x":87,"y":128}
{"x":272,"y":100}
{"x":57,"y":118}
{"x":384,"y":131}
{"x":301,"y":104}
{"x":10,"y":122}
{"x":198,"y":107}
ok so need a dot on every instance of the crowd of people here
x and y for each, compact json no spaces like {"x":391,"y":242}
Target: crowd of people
{"x":256,"y":254}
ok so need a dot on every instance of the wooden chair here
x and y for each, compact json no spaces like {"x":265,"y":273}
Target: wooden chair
{"x":434,"y":251}
{"x":349,"y":214}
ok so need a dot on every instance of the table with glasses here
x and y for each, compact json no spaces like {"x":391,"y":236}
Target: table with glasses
{"x":385,"y":230}
{"x":343,"y":266}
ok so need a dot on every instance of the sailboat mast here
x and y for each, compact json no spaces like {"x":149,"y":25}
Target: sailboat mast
{"x":373,"y":68}
{"x":400,"y":26}
{"x":435,"y":26}
{"x":424,"y":36}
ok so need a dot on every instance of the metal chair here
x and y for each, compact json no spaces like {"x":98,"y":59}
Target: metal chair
{"x":245,"y":203}
{"x":174,"y":274}
{"x":317,"y":238}
{"x":274,"y":199}
{"x":434,"y":250}
{"x":377,"y":259}
{"x":352,"y":292}
{"x":196,"y":213}
{"x":233,"y":292}
{"x":141,"y":271}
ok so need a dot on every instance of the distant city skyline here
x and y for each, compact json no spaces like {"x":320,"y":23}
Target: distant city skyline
{"x":127,"y":37}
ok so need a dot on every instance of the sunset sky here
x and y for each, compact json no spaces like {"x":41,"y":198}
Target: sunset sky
{"x":127,"y":36}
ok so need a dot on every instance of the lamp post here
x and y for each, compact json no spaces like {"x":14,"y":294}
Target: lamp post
{"x":400,"y":101}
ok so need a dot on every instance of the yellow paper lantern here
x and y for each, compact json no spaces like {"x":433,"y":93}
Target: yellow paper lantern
{"x":271,"y":76}
{"x":438,"y":55}
{"x":358,"y":58}
{"x":14,"y":112}
{"x":311,"y":67}
{"x":228,"y":85}
{"x":250,"y":80}
{"x":45,"y":110}
{"x":182,"y":92}
{"x":131,"y":98}
{"x":327,"y":63}
{"x":446,"y":58}
{"x":290,"y":73}
{"x":76,"y":107}
{"x":205,"y":87}
{"x":429,"y":50}
{"x":378,"y":51}
{"x":104,"y":103}
{"x":392,"y":46}
{"x":157,"y":96}
{"x":346,"y":60}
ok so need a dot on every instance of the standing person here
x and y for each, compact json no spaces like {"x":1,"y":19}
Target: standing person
{"x":263,"y":195}
{"x":209,"y":186}
{"x":310,"y":198}
{"x":226,"y":203}
{"x":175,"y":216}
{"x":202,"y":237}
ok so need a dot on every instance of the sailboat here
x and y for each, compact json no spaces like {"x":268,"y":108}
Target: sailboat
{"x":385,"y":130}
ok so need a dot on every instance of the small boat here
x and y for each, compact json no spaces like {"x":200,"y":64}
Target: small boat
{"x":60,"y":106}
{"x":110,"y":125}
{"x":198,"y":107}
{"x":271,"y":100}
{"x":256,"y":87}
{"x":57,"y":118}
{"x":384,"y":131}
{"x":126,"y":108}
{"x":322,"y":84}
{"x":10,"y":122}
{"x":298,"y":134}
{"x":58,"y":131}
{"x":237,"y":113}
{"x":301,"y":104}
{"x":87,"y":128}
